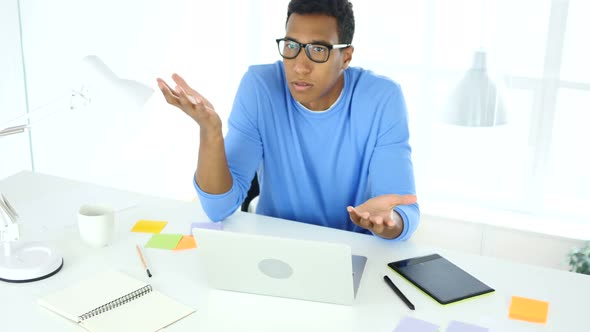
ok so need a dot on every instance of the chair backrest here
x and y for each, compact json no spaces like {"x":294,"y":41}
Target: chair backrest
{"x":252,"y":193}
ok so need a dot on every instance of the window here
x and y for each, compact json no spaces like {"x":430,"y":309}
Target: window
{"x":537,"y":55}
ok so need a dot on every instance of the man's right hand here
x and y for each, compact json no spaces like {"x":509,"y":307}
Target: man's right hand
{"x":212,"y":175}
{"x":191,"y":103}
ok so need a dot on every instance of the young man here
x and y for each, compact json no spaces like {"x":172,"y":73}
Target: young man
{"x":329,"y":142}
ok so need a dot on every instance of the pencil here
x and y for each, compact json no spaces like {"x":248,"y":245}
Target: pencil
{"x":143,"y":261}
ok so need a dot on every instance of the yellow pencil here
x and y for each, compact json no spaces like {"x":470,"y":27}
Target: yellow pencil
{"x":143,"y":261}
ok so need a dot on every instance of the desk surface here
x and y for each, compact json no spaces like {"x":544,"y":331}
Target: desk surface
{"x":48,"y":206}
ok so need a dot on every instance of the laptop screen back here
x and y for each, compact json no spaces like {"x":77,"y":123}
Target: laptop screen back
{"x":300,"y":269}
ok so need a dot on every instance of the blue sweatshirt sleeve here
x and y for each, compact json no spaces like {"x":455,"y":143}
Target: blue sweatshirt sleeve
{"x":243,"y":149}
{"x":391,"y":170}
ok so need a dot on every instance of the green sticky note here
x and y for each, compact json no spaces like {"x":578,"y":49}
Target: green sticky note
{"x":164,"y":241}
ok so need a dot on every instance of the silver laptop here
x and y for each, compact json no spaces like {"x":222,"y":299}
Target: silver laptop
{"x":299,"y":269}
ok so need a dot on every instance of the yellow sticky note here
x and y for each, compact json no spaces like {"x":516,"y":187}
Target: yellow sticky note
{"x":149,"y":226}
{"x":529,"y":310}
{"x":187,"y":242}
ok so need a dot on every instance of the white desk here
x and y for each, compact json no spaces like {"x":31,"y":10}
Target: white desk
{"x":48,"y":207}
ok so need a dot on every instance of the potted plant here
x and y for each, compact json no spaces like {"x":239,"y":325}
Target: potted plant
{"x":579,"y":259}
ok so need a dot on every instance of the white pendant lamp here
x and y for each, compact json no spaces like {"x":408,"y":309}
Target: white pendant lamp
{"x":476,"y":101}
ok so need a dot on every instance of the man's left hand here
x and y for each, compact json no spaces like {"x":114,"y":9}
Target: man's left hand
{"x":377,"y":215}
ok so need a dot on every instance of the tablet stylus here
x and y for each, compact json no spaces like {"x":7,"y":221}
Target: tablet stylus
{"x":398,"y":292}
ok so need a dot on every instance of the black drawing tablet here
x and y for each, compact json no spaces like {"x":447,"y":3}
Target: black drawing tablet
{"x":442,"y":280}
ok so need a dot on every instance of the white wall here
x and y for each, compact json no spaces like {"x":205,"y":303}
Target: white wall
{"x":14,"y":150}
{"x":153,"y":149}
{"x":481,"y":239}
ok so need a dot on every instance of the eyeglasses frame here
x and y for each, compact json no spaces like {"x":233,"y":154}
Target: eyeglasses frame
{"x":304,"y":46}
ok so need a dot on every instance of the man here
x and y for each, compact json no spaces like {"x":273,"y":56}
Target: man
{"x":329,"y":142}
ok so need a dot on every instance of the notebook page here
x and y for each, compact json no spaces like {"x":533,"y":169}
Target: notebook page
{"x":89,"y":294}
{"x":150,"y":312}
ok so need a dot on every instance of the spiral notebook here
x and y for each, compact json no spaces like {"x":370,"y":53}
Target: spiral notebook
{"x":114,"y":301}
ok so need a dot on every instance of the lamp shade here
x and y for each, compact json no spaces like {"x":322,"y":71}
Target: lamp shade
{"x":476,"y":101}
{"x":104,"y":85}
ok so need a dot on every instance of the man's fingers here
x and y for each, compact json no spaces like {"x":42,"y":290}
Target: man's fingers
{"x":165,"y":87}
{"x":374,"y":223}
{"x":185,"y":98}
{"x":376,"y":220}
{"x":377,"y":228}
{"x":354,"y":216}
{"x":180,"y":81}
{"x":389,"y":224}
{"x":179,"y":99}
{"x":170,"y":97}
{"x":364,"y":221}
{"x":193,"y":96}
{"x":378,"y":223}
{"x":358,"y":218}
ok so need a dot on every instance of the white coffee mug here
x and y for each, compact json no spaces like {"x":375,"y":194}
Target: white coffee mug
{"x":96,"y":225}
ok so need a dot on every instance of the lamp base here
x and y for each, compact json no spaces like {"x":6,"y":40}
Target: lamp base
{"x":30,"y":262}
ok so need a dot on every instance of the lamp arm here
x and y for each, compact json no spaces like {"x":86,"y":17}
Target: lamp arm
{"x":9,"y":231}
{"x":28,"y":115}
{"x":13,"y":130}
{"x":78,"y":98}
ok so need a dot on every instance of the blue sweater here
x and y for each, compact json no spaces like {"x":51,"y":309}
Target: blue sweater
{"x":311,"y":165}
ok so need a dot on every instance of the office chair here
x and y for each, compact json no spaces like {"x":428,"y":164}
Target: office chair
{"x":252,"y":193}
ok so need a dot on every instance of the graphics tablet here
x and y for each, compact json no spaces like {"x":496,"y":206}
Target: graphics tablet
{"x":442,"y":280}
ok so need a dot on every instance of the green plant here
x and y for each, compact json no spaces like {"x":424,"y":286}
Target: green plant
{"x":579,"y":259}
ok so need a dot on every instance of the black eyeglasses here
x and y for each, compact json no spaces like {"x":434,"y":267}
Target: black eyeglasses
{"x":320,"y":53}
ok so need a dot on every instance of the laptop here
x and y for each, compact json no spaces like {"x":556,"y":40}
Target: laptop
{"x":266,"y":265}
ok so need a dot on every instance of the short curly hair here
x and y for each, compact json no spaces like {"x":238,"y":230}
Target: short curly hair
{"x":340,"y":9}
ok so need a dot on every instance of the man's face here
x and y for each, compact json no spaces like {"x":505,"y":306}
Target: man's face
{"x":315,"y":85}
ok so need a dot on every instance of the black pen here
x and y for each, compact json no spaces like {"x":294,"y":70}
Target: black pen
{"x":398,"y":292}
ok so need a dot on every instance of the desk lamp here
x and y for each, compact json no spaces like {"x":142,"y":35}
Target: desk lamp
{"x":35,"y":261}
{"x":99,"y":84}
{"x":25,"y":262}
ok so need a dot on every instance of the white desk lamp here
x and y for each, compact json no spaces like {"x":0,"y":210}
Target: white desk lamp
{"x":104,"y":84}
{"x":476,"y":101}
{"x":98,"y":84}
{"x":34,"y":261}
{"x":26,"y":262}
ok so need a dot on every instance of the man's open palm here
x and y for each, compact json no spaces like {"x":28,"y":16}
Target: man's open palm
{"x":376,"y":213}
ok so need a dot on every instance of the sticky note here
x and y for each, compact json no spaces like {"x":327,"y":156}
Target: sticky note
{"x":409,"y":324}
{"x":149,"y":226}
{"x":164,"y":241}
{"x":456,"y":326}
{"x":529,"y":310}
{"x":207,"y":225}
{"x":187,"y":242}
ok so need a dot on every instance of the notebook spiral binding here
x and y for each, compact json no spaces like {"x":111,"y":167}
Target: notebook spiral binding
{"x":116,"y":303}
